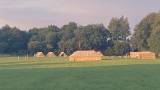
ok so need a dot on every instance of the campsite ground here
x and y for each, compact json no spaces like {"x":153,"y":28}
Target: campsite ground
{"x":59,"y":74}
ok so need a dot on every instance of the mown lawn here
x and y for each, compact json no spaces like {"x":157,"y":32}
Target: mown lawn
{"x":59,"y":74}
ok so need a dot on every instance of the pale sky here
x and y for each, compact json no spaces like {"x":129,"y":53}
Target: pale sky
{"x":26,"y":14}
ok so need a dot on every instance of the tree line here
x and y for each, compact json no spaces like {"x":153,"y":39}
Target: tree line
{"x":116,"y":39}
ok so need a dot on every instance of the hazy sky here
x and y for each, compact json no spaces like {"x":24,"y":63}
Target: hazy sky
{"x":26,"y":14}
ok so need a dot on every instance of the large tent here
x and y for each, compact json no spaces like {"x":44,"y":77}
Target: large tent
{"x":86,"y":55}
{"x":142,"y":55}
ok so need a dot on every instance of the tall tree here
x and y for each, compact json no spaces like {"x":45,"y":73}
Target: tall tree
{"x":92,"y":37}
{"x":154,"y":41}
{"x":143,"y":31}
{"x":47,"y":37}
{"x":13,"y":40}
{"x":67,"y":31}
{"x":119,"y":27}
{"x":66,"y":35}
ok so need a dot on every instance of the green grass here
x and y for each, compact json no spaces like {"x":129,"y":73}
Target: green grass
{"x":59,"y":74}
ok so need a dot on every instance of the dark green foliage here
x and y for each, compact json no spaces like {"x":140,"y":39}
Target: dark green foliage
{"x":43,"y":39}
{"x":154,"y":41}
{"x":3,"y":47}
{"x":68,"y":38}
{"x":88,"y":37}
{"x":66,"y":35}
{"x":36,"y":46}
{"x":12,"y":40}
{"x":67,"y":31}
{"x":92,"y":37}
{"x":146,"y":36}
{"x":119,"y":48}
{"x":143,"y":31}
{"x":119,"y":27}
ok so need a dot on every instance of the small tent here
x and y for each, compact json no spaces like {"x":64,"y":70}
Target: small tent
{"x":62,"y":54}
{"x":39,"y":55}
{"x":86,"y":55}
{"x":143,"y":55}
{"x":51,"y":54}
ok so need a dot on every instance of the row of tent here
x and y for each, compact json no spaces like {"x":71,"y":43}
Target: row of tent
{"x":50,"y":54}
{"x":84,"y":55}
{"x":92,"y":55}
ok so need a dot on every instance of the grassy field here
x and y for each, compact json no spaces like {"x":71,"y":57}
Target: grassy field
{"x":59,"y":74}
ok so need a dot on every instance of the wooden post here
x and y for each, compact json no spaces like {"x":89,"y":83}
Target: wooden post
{"x":18,"y":58}
{"x":27,"y":56}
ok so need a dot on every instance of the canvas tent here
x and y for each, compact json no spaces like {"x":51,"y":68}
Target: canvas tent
{"x":62,"y":54}
{"x":86,"y":55}
{"x":142,"y":55}
{"x":51,"y":54}
{"x":39,"y":55}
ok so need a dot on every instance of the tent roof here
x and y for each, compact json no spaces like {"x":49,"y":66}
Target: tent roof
{"x":86,"y":53}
